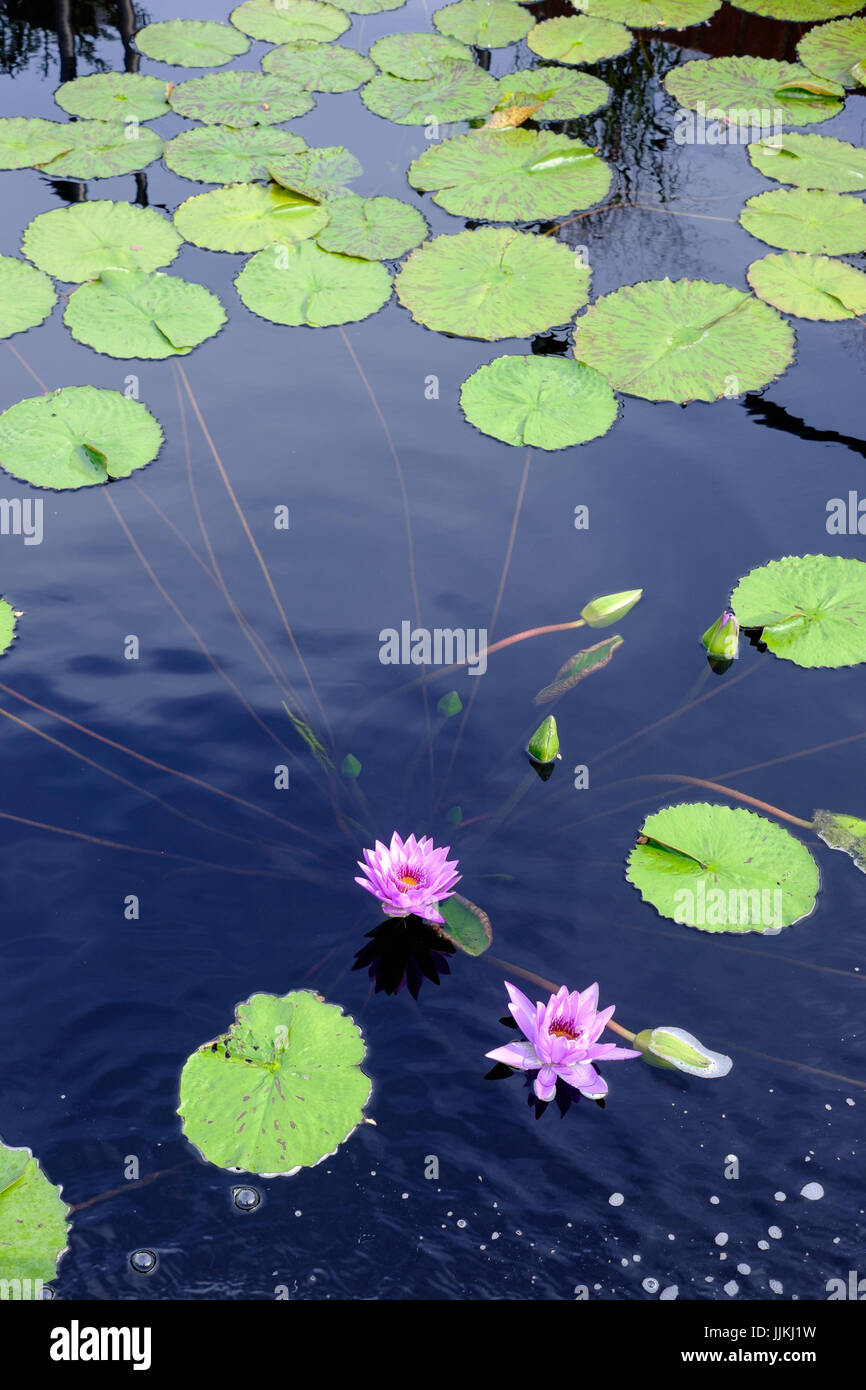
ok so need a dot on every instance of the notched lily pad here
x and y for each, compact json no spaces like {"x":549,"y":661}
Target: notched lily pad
{"x":456,"y":92}
{"x":810,"y":287}
{"x":484,"y":23}
{"x":114,"y":96}
{"x":826,"y":594}
{"x":555,"y":93}
{"x":29,"y":141}
{"x":240,"y":99}
{"x":653,"y":14}
{"x":808,"y":10}
{"x":376,"y":229}
{"x":304,"y":285}
{"x":835,"y":51}
{"x":77,"y":242}
{"x":317,"y":67}
{"x":217,"y":154}
{"x":77,"y":437}
{"x":284,"y":21}
{"x":136,"y":313}
{"x":34,"y":1225}
{"x":248,"y":217}
{"x":736,"y":88}
{"x":542,"y":402}
{"x":578,"y":40}
{"x":191,"y":43}
{"x":807,"y":219}
{"x":103,"y":149}
{"x":318,"y":173}
{"x":466,"y":925}
{"x":26,"y":296}
{"x":811,"y":161}
{"x":417,"y":56}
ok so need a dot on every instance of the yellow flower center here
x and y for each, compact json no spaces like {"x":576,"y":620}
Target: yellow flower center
{"x":408,"y":880}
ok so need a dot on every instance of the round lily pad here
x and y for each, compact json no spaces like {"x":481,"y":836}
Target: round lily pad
{"x":417,"y":56}
{"x":456,"y":92}
{"x":511,"y":175}
{"x":827,"y":591}
{"x":247,"y":217}
{"x":655,"y":14}
{"x":563,"y":95}
{"x":103,"y":149}
{"x":684,"y":340}
{"x":8,"y":625}
{"x":114,"y":96}
{"x":217,"y":154}
{"x":288,"y":20}
{"x":745,"y":91}
{"x":810,"y":287}
{"x":77,"y":242}
{"x":376,"y":229}
{"x":800,"y":219}
{"x":492,"y":283}
{"x":811,"y":161}
{"x":581,"y":39}
{"x":139,"y":313}
{"x":305,"y":285}
{"x":484,"y":23}
{"x":317,"y":67}
{"x":33,"y":1224}
{"x":26,"y":296}
{"x":28,"y":141}
{"x":723,"y":869}
{"x":368,"y":6}
{"x":281,"y":1090}
{"x":76,"y":437}
{"x":808,"y":10}
{"x":318,"y":173}
{"x":834,"y":50}
{"x":240,"y":99}
{"x":191,"y":43}
{"x":543,"y":402}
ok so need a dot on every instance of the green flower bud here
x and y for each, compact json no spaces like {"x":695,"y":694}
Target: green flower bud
{"x":609,"y":609}
{"x":543,"y":747}
{"x":450,"y":704}
{"x":722,"y":640}
{"x":350,"y":767}
{"x":674,"y":1047}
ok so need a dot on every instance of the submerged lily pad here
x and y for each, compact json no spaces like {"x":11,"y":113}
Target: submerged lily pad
{"x":305,"y":285}
{"x":843,"y":832}
{"x":835,"y":50}
{"x":492,"y":283}
{"x":720,"y":868}
{"x":466,"y":925}
{"x":248,"y":217}
{"x":810,"y":287}
{"x":376,"y":229}
{"x":811,"y":161}
{"x":317,"y":173}
{"x":33,"y":1222}
{"x":800,"y":219}
{"x":563,"y":95}
{"x":828,"y":592}
{"x":580,"y":39}
{"x":76,"y":437}
{"x":319,"y":67}
{"x":114,"y":96}
{"x":456,"y":92}
{"x":288,"y":20}
{"x":191,"y":43}
{"x":684,"y":340}
{"x":584,"y":663}
{"x":28,"y":141}
{"x":217,"y":154}
{"x":26,"y":296}
{"x":136,"y":313}
{"x":240,"y":99}
{"x":103,"y":149}
{"x":808,"y":10}
{"x":511,"y":175}
{"x":742,"y":89}
{"x":544,"y":402}
{"x":281,"y":1090}
{"x":653,"y":14}
{"x":484,"y":23}
{"x":417,"y":56}
{"x":77,"y":242}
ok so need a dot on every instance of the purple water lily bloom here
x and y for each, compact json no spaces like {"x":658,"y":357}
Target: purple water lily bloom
{"x":409,"y":876}
{"x":561,"y":1040}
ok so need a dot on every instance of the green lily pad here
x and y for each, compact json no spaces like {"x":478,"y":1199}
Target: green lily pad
{"x":417,"y":56}
{"x":288,"y":20}
{"x":811,"y":161}
{"x":26,"y":296}
{"x":800,"y":219}
{"x":217,"y":154}
{"x":843,"y":832}
{"x":77,"y":242}
{"x":827,"y":591}
{"x":8,"y":624}
{"x":834,"y":50}
{"x":240,"y":99}
{"x":191,"y":43}
{"x":544,"y":402}
{"x":103,"y":149}
{"x":723,"y":869}
{"x":305,"y":285}
{"x":28,"y":141}
{"x":511,"y":175}
{"x":492,"y":283}
{"x":456,"y":92}
{"x":577,"y":668}
{"x":317,"y":173}
{"x":77,"y":436}
{"x":281,"y":1090}
{"x":139,"y":313}
{"x":317,"y":67}
{"x":795,"y":10}
{"x":580,"y":39}
{"x":653,"y":14}
{"x":114,"y":96}
{"x":33,"y":1223}
{"x":810,"y":287}
{"x":466,"y":925}
{"x":684,"y":340}
{"x":248,"y":217}
{"x":563,"y":95}
{"x":376,"y":229}
{"x":740,"y":89}
{"x":484,"y":23}
{"x":368,"y":6}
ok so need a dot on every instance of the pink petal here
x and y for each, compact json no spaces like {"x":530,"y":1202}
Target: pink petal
{"x":516,"y":1054}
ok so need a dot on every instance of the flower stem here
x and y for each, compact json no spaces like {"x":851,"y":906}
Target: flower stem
{"x":729,"y":791}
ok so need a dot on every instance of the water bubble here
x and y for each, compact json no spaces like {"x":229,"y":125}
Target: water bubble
{"x":143,"y":1261}
{"x":744,"y":1269}
{"x":651,"y":1285}
{"x":813,"y":1192}
{"x":776,"y":1286}
{"x":616,"y":1199}
{"x":763,"y":1245}
{"x":781,"y":1196}
{"x":47,"y":1292}
{"x":669,"y":1293}
{"x":246,"y":1198}
{"x":774,"y":1232}
{"x":722,"y":1238}
{"x":461,"y":1223}
{"x":732,"y":1288}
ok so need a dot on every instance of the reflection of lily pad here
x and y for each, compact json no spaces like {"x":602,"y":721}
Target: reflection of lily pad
{"x":800,"y":219}
{"x":8,"y":624}
{"x":828,"y":591}
{"x":562,"y":94}
{"x":376,"y":229}
{"x":843,"y":832}
{"x":456,"y":92}
{"x":33,"y":1224}
{"x":191,"y":43}
{"x":810,"y":287}
{"x":240,"y":99}
{"x":684,"y":340}
{"x":28,"y":141}
{"x":492,"y":283}
{"x":77,"y":436}
{"x":248,"y":217}
{"x":102,"y":149}
{"x":77,"y":242}
{"x":737,"y":88}
{"x":808,"y":10}
{"x":26,"y":296}
{"x":114,"y":96}
{"x":318,"y":173}
{"x":834,"y":50}
{"x":305,"y":285}
{"x":281,"y":1090}
{"x":484,"y":23}
{"x":511,"y":175}
{"x":136,"y":313}
{"x":217,"y":154}
{"x":580,"y":39}
{"x":544,"y":402}
{"x":653,"y":14}
{"x":417,"y":56}
{"x":319,"y":67}
{"x":720,"y":868}
{"x":811,"y":161}
{"x":284,"y":21}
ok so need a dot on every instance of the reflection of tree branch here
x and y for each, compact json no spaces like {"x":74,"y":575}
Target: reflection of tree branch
{"x":65,"y":39}
{"x":126,"y":27}
{"x":775,"y":417}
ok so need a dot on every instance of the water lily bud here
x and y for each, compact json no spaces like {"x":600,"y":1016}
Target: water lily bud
{"x":609,"y":609}
{"x":674,"y":1047}
{"x":543,"y":747}
{"x":450,"y":704}
{"x":350,"y":767}
{"x":722,"y":640}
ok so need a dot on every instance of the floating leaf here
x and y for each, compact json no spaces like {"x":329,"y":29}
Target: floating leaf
{"x":558,"y":95}
{"x":505,"y":117}
{"x":684,"y":340}
{"x":456,"y":92}
{"x":544,"y":402}
{"x":417,"y":55}
{"x":284,"y":21}
{"x":114,"y":96}
{"x":305,"y":285}
{"x":8,"y":624}
{"x":811,"y":161}
{"x":844,"y":832}
{"x":484,"y":23}
{"x":310,"y":738}
{"x":653,"y":14}
{"x":102,"y":149}
{"x":577,"y":668}
{"x":466,"y":924}
{"x":675,"y":1048}
{"x":26,"y":296}
{"x":217,"y":154}
{"x":28,"y":141}
{"x":33,"y":1224}
{"x":377,"y":229}
{"x":247,"y":217}
{"x":811,"y":287}
{"x":827,"y":591}
{"x":191,"y":43}
{"x":808,"y":10}
{"x":720,"y":868}
{"x":737,"y":89}
{"x":800,"y":219}
{"x":77,"y":436}
{"x":369,"y":6}
{"x":281,"y":1090}
{"x":319,"y":67}
{"x":350,"y":767}
{"x":835,"y":50}
{"x":77,"y":242}
{"x":492,"y":283}
{"x":240,"y":99}
{"x":317,"y":173}
{"x":580,"y":39}
{"x":136,"y":313}
{"x":450,"y":705}
{"x":511,"y":175}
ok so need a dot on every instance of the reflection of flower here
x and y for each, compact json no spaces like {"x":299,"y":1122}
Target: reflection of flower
{"x":404,"y":951}
{"x":561,"y":1041}
{"x":411,"y":877}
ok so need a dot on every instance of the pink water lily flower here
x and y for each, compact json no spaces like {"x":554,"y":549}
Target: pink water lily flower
{"x":561,"y":1040}
{"x":409,"y":877}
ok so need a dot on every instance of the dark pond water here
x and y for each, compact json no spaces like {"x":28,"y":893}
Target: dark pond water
{"x":99,"y":1013}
